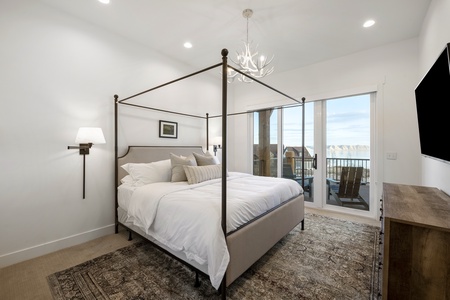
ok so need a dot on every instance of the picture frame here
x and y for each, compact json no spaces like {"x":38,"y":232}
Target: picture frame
{"x":168,"y":129}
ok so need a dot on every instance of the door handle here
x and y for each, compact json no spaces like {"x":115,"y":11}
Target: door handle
{"x":315,"y":162}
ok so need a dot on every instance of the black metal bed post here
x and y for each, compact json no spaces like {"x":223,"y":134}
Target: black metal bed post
{"x":116,"y":151}
{"x":303,"y":156}
{"x":303,"y":143}
{"x":170,"y":82}
{"x":224,"y":158}
{"x":207,"y":132}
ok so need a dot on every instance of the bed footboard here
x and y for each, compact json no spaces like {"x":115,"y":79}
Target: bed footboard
{"x":251,"y":242}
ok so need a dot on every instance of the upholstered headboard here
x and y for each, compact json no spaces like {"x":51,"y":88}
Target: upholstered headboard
{"x":147,"y":154}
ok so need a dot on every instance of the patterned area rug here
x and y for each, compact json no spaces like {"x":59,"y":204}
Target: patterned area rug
{"x":330,"y":259}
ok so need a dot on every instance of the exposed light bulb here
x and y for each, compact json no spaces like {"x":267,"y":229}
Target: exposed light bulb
{"x":104,"y":1}
{"x":187,"y":45}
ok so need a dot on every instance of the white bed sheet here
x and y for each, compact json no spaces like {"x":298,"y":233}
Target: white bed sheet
{"x":124,"y":193}
{"x":188,"y":217}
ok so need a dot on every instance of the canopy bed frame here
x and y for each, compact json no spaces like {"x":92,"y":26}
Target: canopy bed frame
{"x":252,"y":237}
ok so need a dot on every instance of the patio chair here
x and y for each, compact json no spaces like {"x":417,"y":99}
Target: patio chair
{"x":346,"y":191}
{"x":287,"y":173}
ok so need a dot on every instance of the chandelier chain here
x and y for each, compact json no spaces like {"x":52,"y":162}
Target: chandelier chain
{"x":247,"y":29}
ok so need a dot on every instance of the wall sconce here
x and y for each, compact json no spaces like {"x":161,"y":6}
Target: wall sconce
{"x":86,"y":137}
{"x":216,"y":144}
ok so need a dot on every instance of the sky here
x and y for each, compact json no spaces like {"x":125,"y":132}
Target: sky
{"x":348,"y":123}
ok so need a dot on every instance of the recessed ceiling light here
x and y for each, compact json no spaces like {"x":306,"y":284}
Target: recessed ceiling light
{"x":104,"y":1}
{"x":369,"y":23}
{"x":187,"y":45}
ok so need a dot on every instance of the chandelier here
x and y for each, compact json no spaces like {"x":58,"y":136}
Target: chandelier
{"x":248,"y":61}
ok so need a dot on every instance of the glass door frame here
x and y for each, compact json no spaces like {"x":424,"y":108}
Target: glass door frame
{"x":320,"y":149}
{"x":320,"y":184}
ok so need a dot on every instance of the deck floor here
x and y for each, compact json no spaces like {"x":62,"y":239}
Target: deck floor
{"x":364,"y":191}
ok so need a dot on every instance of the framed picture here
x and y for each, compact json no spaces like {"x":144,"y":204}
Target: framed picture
{"x":168,"y":129}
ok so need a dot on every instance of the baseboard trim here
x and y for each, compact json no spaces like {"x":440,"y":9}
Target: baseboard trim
{"x":52,"y":246}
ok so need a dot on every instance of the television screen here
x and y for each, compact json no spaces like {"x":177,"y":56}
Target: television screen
{"x":432,"y":99}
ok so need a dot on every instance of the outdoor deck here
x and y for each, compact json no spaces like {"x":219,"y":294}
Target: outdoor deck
{"x":333,"y":171}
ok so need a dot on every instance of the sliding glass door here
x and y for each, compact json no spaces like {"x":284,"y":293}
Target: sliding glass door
{"x":277,"y":148}
{"x":293,"y":166}
{"x":336,"y":150}
{"x":347,"y":166}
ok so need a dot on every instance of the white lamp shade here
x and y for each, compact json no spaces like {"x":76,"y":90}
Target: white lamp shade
{"x":88,"y":135}
{"x":217,"y":140}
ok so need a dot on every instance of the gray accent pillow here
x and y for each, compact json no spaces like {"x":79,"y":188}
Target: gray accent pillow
{"x":177,"y":162}
{"x":205,"y":159}
{"x":197,"y":174}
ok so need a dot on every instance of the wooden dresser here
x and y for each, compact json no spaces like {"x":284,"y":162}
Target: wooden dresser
{"x":415,"y":243}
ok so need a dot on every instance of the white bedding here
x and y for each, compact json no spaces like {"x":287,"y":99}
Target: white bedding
{"x":188,"y":217}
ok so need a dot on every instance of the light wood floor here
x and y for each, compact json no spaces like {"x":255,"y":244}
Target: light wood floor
{"x":27,"y":280}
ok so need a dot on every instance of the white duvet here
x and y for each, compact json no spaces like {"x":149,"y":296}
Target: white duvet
{"x":188,"y":217}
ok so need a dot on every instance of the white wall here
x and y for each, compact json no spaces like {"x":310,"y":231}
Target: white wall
{"x":433,"y":38}
{"x":58,"y":74}
{"x":391,"y":69}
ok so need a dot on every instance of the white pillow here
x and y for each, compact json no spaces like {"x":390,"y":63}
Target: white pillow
{"x":126,"y":167}
{"x":145,"y":173}
{"x":177,"y":163}
{"x":205,"y":159}
{"x":197,"y":174}
{"x":127,"y":179}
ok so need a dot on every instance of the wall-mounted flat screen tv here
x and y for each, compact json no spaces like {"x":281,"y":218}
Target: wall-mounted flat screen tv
{"x":432,"y":100}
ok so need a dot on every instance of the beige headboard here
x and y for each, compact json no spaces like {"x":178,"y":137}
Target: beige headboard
{"x":147,"y":154}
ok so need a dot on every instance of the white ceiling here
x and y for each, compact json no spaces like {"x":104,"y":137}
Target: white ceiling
{"x":297,"y":32}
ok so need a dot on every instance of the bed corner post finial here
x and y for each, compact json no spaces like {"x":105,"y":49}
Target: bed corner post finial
{"x":224,"y":52}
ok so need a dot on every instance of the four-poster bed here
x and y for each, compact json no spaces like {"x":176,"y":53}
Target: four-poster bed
{"x":251,"y":238}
